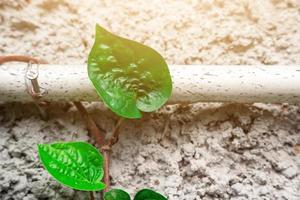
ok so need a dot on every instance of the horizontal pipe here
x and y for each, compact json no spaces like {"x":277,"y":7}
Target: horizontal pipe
{"x":191,"y":83}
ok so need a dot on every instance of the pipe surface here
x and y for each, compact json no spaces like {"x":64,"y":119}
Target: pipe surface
{"x":191,"y":83}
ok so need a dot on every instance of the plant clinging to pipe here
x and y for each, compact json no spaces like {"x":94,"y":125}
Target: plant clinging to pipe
{"x":130,"y":78}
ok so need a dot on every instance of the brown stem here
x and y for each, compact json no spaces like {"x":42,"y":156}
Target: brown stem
{"x":20,"y":58}
{"x":106,"y":150}
{"x":115,"y":133}
{"x":90,"y":124}
{"x":106,"y":178}
{"x":92,"y":195}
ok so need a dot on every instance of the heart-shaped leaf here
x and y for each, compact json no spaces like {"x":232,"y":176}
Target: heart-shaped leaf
{"x":147,"y":194}
{"x":78,"y":165}
{"x":116,"y":194}
{"x":129,"y":77}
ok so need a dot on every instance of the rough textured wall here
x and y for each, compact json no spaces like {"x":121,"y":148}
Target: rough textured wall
{"x":185,"y":32}
{"x":202,"y":151}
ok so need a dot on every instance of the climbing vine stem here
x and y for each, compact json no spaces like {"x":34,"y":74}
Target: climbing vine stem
{"x":105,"y":146}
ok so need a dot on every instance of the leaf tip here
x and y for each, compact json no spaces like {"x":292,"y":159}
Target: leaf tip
{"x":40,"y":146}
{"x":100,"y":30}
{"x":97,"y":27}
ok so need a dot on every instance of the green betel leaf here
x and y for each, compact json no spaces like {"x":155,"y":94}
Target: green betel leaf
{"x":128,"y":76}
{"x":78,"y":165}
{"x":147,"y":194}
{"x":116,"y":194}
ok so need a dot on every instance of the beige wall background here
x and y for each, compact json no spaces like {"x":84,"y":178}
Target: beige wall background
{"x":202,"y":151}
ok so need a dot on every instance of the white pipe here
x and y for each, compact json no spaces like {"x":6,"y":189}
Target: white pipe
{"x":191,"y":83}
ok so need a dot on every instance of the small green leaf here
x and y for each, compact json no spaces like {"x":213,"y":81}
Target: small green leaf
{"x":147,"y":194}
{"x":128,"y":76}
{"x":78,"y":165}
{"x":116,"y":194}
